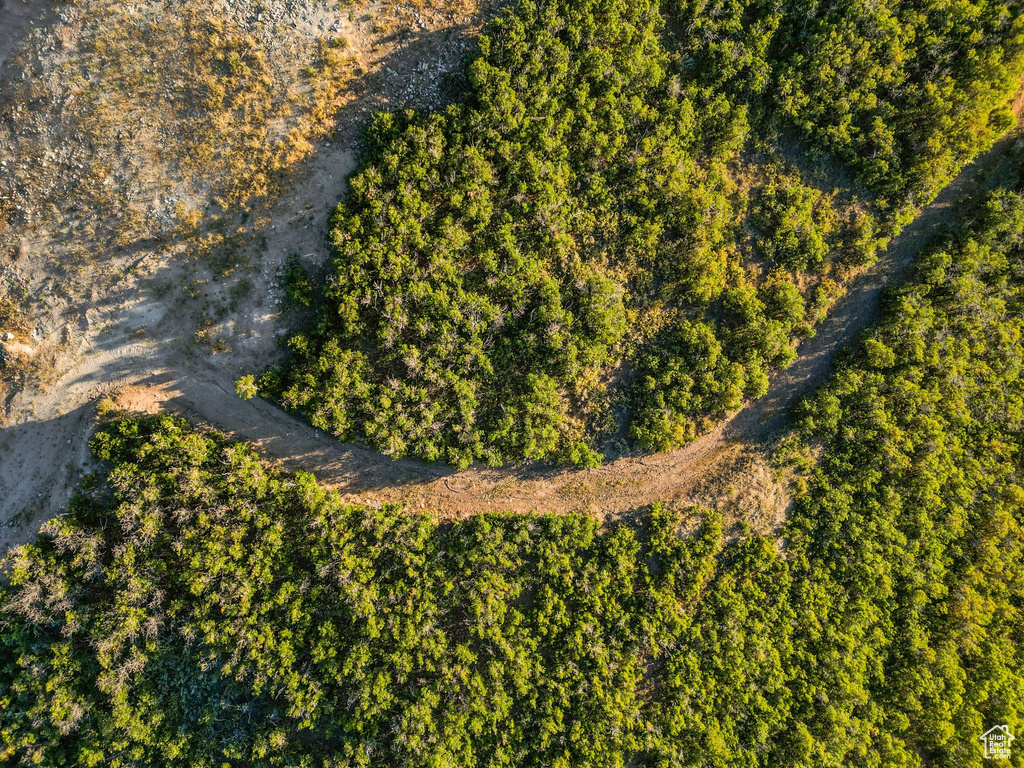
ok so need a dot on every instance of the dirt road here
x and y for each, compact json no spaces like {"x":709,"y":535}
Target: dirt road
{"x":137,"y":345}
{"x":615,"y":489}
{"x":762,"y":420}
{"x":137,"y":313}
{"x":40,"y":459}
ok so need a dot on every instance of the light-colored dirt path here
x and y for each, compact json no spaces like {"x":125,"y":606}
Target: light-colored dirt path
{"x":136,"y":347}
{"x":128,"y":320}
{"x":762,"y":420}
{"x":40,"y":458}
{"x":618,"y":487}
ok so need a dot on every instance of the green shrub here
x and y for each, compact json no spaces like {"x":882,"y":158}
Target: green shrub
{"x":591,"y":183}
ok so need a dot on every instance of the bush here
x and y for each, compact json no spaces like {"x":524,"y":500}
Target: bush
{"x":592,"y":182}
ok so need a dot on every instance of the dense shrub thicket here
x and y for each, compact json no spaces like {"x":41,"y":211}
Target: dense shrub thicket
{"x":581,"y":247}
{"x":914,"y":509}
{"x":904,"y":92}
{"x":195,"y":608}
{"x":489,"y":258}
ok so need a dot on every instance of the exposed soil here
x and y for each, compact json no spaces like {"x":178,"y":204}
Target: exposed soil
{"x":130,"y":314}
{"x":169,"y":336}
{"x":15,"y":17}
{"x":726,"y":467}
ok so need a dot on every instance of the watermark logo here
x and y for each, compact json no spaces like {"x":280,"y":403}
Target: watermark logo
{"x":997,"y":742}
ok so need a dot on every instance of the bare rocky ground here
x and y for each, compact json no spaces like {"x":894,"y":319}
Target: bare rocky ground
{"x":171,"y":328}
{"x":15,"y":16}
{"x":169,"y":307}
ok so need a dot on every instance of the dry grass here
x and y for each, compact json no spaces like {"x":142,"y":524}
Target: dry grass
{"x":151,"y":132}
{"x":157,"y":124}
{"x":744,"y":486}
{"x":154,"y":151}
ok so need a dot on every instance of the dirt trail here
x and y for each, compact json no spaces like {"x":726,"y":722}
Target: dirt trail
{"x":42,"y":460}
{"x":617,"y":488}
{"x":135,"y":345}
{"x":130,"y":321}
{"x":762,"y":420}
